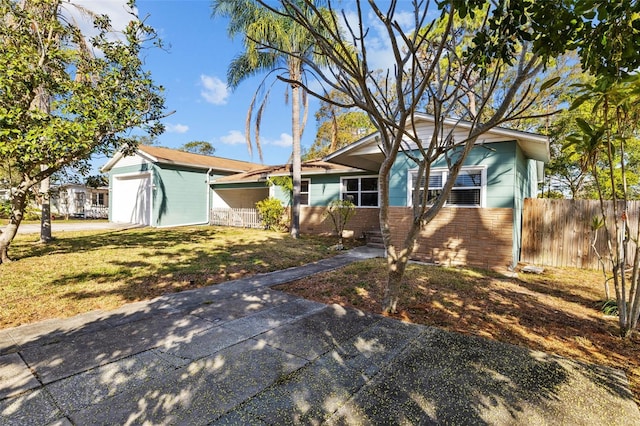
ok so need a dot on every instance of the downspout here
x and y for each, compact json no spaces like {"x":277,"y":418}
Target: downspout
{"x":152,"y":191}
{"x":208,"y":206}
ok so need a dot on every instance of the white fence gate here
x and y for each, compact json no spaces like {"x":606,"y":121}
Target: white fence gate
{"x":241,"y":218}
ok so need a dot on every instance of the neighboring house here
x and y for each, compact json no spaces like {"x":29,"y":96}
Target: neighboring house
{"x":165,"y":187}
{"x":480,"y":225}
{"x":75,"y":200}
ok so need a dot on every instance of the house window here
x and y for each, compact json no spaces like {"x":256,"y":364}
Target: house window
{"x":468,"y":189}
{"x":304,"y":192}
{"x":97,"y":199}
{"x":79,"y":198}
{"x":361,"y":191}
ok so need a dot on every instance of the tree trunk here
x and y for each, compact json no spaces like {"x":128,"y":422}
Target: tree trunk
{"x":296,"y":160}
{"x":396,"y":268}
{"x":18,"y":202}
{"x":45,"y":218}
{"x":6,"y":236}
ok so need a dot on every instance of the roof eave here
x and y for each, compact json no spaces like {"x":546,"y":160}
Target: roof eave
{"x":199,"y":166}
{"x":322,"y":172}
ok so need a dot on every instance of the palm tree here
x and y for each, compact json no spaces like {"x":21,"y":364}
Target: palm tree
{"x":269,"y":39}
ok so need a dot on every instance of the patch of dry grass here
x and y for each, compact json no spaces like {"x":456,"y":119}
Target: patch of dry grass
{"x":84,"y":271}
{"x":555,"y":312}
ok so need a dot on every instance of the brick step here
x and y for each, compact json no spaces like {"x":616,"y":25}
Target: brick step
{"x":374,"y":239}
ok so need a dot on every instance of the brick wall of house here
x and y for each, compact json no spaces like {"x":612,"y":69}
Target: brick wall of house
{"x":311,"y":222}
{"x":459,"y":236}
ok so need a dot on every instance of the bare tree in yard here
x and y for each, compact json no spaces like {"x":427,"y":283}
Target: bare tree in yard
{"x":60,"y":101}
{"x":429,"y":70}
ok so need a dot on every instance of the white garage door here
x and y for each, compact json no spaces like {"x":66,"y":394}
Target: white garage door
{"x":131,"y":202}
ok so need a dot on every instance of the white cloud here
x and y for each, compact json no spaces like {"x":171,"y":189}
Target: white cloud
{"x":117,"y":10}
{"x":285,"y":141}
{"x":406,"y":19}
{"x":234,"y":137}
{"x":177,"y":128}
{"x":215,"y":90}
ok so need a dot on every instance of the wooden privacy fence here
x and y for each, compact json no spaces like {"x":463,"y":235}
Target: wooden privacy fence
{"x":242,"y":218}
{"x":558,"y":232}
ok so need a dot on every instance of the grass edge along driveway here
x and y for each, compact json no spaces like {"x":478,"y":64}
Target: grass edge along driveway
{"x":84,"y":271}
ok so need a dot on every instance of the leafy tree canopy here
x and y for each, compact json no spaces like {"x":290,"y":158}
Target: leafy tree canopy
{"x":198,"y":147}
{"x":96,"y":181}
{"x":64,"y":97}
{"x":338,"y":129}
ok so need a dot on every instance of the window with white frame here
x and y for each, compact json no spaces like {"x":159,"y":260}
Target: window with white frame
{"x":468,"y":189}
{"x":361,"y":191}
{"x":97,"y":199}
{"x":304,"y":192}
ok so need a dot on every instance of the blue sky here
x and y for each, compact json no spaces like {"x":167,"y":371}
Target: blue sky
{"x":193,"y":69}
{"x":193,"y":72}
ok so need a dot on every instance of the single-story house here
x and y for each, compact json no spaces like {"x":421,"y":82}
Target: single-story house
{"x":479,"y":226}
{"x":481,"y":223}
{"x":76,"y":200}
{"x":165,"y":187}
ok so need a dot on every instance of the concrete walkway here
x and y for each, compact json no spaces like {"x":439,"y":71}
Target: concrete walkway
{"x":241,"y":353}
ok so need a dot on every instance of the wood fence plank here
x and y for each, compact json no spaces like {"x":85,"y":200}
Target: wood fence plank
{"x":558,"y":232}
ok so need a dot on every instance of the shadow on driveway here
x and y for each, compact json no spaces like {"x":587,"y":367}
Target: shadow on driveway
{"x":242,"y":353}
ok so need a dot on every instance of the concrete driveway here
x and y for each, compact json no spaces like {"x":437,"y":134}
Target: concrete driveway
{"x":241,"y":353}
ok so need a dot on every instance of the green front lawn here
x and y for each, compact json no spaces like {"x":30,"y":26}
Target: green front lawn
{"x":83,"y":271}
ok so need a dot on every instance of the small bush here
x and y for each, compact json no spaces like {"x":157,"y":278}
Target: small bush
{"x":271,"y":213}
{"x":30,"y":213}
{"x":340,"y":211}
{"x":609,"y":307}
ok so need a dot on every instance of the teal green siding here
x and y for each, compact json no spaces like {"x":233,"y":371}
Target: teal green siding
{"x":179,"y":196}
{"x":281,"y":194}
{"x":501,"y":173}
{"x":499,"y":158}
{"x":398,"y":180}
{"x":324,"y":189}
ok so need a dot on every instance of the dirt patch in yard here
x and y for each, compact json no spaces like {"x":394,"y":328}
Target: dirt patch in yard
{"x":557,"y":311}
